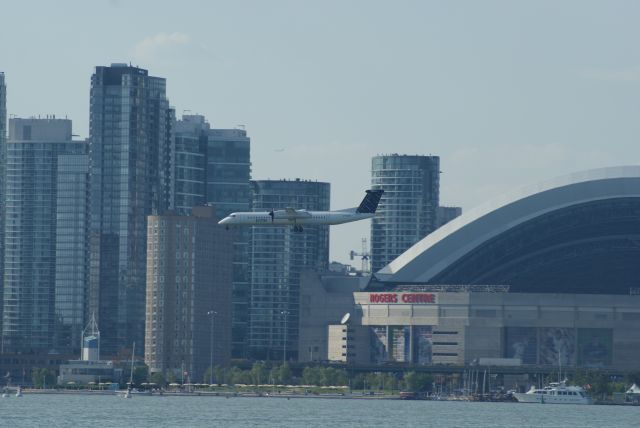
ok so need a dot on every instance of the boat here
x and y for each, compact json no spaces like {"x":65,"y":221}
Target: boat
{"x":19,"y":392}
{"x":128,"y":392}
{"x":554,"y":393}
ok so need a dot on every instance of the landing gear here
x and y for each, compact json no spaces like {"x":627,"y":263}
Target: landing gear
{"x":297,"y":228}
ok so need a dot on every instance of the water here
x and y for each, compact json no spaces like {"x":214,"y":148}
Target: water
{"x":142,"y":412}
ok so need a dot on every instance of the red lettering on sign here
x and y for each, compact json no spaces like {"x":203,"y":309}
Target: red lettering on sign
{"x":383,"y":298}
{"x":415,"y":298}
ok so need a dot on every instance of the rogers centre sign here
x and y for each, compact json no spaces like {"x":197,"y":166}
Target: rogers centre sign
{"x":412,"y":298}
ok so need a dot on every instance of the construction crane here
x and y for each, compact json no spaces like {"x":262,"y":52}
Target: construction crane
{"x":365,"y":256}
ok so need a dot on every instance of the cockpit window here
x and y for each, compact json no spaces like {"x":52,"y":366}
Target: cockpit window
{"x":233,"y":215}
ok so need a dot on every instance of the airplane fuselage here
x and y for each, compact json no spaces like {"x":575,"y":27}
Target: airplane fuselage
{"x":297,"y":218}
{"x":279,"y":219}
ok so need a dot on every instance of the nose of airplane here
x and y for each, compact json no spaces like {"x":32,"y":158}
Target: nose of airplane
{"x":224,"y":220}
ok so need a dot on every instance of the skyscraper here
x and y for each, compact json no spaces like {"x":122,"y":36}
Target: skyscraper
{"x":228,"y":174}
{"x":190,"y":163}
{"x":408,"y":210}
{"x":213,"y":167}
{"x":130,"y":138}
{"x":189,"y":274}
{"x":45,"y":256}
{"x":278,"y":256}
{"x":3,"y":108}
{"x":3,"y":136}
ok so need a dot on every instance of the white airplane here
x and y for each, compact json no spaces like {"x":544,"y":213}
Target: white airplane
{"x":297,"y":218}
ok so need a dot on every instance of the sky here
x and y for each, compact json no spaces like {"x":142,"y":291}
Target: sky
{"x":507,"y":93}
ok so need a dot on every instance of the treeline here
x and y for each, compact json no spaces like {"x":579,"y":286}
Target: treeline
{"x":599,"y":384}
{"x":262,"y":373}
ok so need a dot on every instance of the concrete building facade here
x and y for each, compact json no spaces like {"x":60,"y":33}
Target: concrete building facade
{"x":188,"y":297}
{"x":415,"y":325}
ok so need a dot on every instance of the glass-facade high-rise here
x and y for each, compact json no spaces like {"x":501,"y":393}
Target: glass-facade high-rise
{"x":3,"y":136}
{"x":131,"y":175}
{"x":227,"y":188}
{"x":190,"y":163}
{"x":408,"y":209}
{"x":45,"y":241}
{"x":72,"y":249}
{"x":278,"y":256}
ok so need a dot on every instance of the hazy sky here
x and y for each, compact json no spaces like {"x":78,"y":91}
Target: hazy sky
{"x":507,"y":93}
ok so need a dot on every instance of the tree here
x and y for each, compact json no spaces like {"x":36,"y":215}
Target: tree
{"x":284,"y":373}
{"x":140,"y":374}
{"x":171,"y":377}
{"x":281,"y":374}
{"x":43,"y":378}
{"x":312,"y":376}
{"x":259,"y":373}
{"x":417,"y":382}
{"x":157,"y":378}
{"x":333,"y":377}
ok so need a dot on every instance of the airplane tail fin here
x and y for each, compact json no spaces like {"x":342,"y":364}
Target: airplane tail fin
{"x":370,"y":202}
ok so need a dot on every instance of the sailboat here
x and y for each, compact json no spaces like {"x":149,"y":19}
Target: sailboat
{"x":127,"y":394}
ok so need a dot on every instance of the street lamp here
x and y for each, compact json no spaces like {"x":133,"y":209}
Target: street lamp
{"x":212,"y":314}
{"x":284,"y":336}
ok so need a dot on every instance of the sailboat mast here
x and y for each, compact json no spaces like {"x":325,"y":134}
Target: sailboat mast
{"x":133,"y":353}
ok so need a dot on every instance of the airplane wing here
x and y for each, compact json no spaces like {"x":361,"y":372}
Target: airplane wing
{"x":291,"y":213}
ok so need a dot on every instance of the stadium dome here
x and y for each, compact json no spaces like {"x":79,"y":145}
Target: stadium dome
{"x":575,"y":234}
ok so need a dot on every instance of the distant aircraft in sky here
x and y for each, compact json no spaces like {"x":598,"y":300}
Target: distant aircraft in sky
{"x":297,"y":218}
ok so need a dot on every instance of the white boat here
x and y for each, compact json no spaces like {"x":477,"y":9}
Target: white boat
{"x":555,"y":393}
{"x":19,"y":392}
{"x":127,"y":393}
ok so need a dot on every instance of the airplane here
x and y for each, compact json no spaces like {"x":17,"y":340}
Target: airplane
{"x":297,"y":218}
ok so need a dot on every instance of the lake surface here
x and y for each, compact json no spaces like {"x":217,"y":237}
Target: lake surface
{"x":141,"y":412}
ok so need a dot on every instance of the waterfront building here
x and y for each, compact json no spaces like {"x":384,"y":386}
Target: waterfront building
{"x":461,"y":325}
{"x":408,"y":209}
{"x":228,"y":160}
{"x":188,"y":297}
{"x":45,"y":256}
{"x":562,"y":256}
{"x":90,"y":369}
{"x":278,"y":257}
{"x":131,"y":176}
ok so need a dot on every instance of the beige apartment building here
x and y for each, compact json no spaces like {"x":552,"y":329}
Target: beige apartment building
{"x":188,"y":300}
